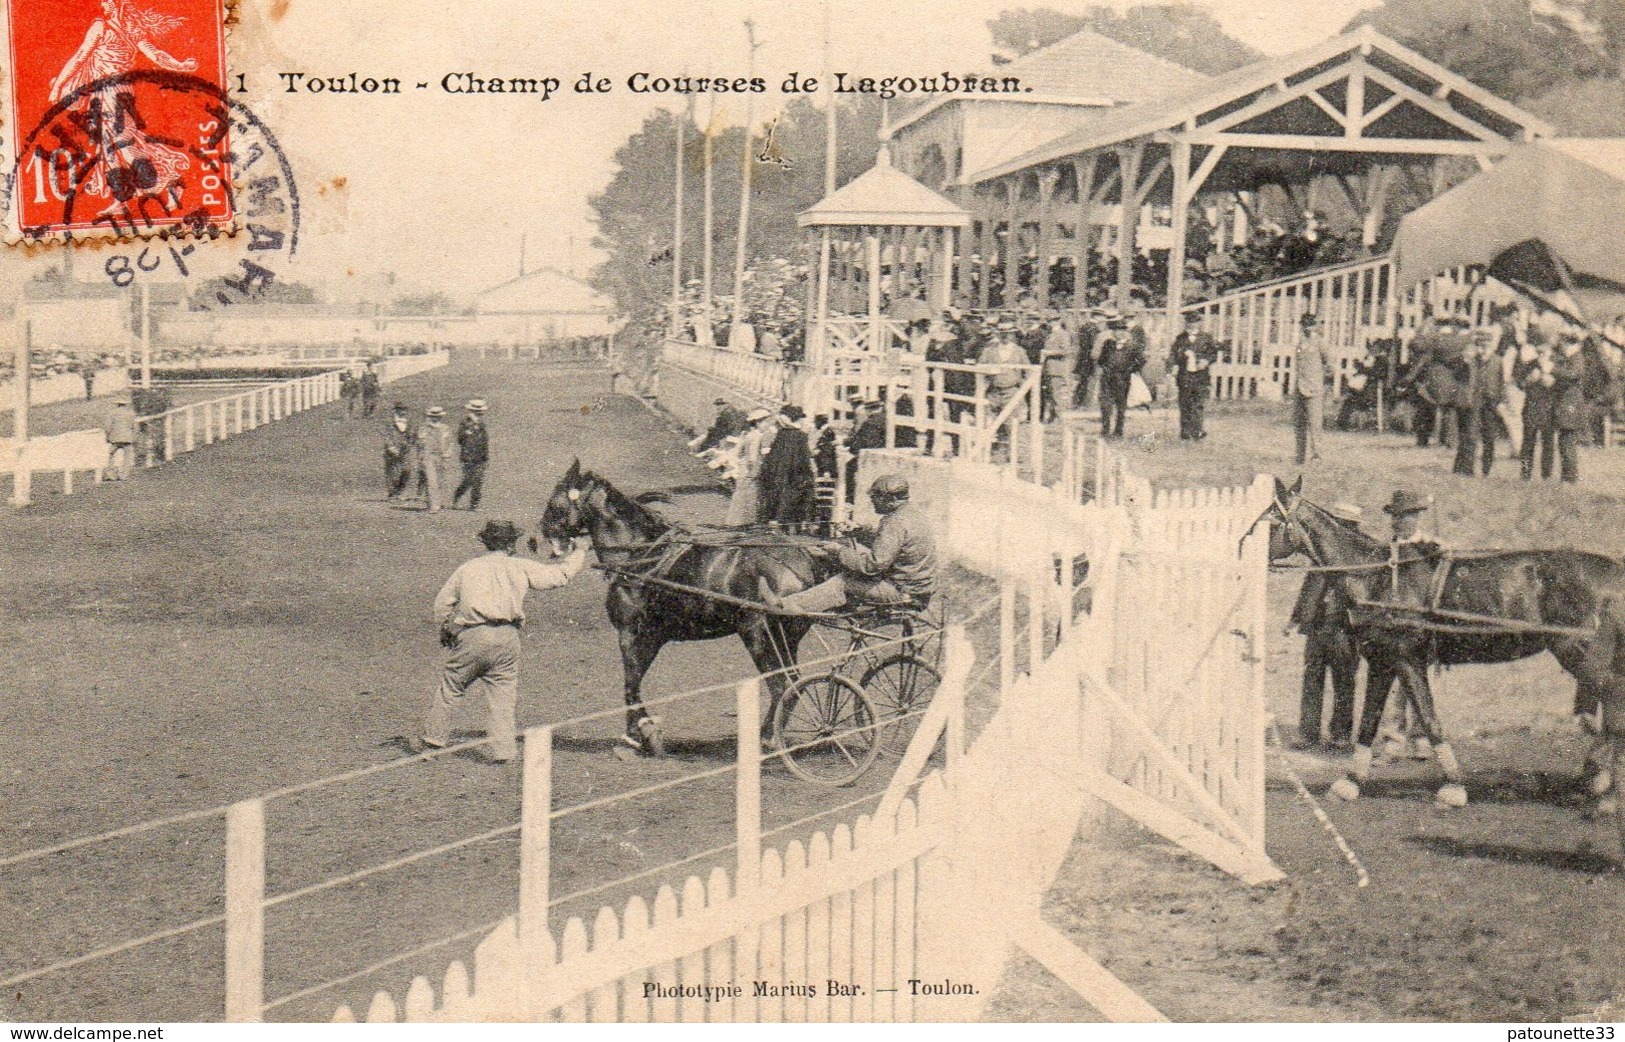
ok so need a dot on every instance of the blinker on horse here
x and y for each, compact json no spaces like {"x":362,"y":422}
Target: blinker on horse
{"x":659,"y":578}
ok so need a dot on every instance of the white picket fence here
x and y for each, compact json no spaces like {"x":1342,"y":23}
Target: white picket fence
{"x":166,"y":435}
{"x":1168,"y":727}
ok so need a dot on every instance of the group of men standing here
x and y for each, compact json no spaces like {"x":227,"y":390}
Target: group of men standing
{"x":361,"y":389}
{"x":1510,"y":375}
{"x":423,"y":451}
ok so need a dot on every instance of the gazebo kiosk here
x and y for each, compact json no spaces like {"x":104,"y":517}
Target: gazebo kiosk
{"x":884,"y":239}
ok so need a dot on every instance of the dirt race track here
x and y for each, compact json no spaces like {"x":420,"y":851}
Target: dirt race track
{"x":253,"y":616}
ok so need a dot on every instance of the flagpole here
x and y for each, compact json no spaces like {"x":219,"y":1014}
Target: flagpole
{"x":829,"y":111}
{"x":744,"y":192}
{"x":706,"y":290}
{"x":674,"y":325}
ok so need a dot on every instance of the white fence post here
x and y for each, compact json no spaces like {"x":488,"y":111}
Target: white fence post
{"x":245,"y":912}
{"x":748,"y":787}
{"x":535,"y":867}
{"x":191,"y":429}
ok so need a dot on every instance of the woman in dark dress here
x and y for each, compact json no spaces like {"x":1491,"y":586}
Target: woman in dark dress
{"x":788,"y":498}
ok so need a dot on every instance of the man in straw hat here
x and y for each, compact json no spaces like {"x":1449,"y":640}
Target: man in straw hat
{"x":1308,"y":389}
{"x":474,"y":452}
{"x":1322,"y":616}
{"x":434,"y":443}
{"x":480,"y":610}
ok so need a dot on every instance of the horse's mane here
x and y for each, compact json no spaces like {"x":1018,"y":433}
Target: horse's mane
{"x":1363,"y":540}
{"x":630,"y":506}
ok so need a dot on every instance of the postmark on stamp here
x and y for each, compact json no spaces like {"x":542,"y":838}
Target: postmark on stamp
{"x":119,"y":122}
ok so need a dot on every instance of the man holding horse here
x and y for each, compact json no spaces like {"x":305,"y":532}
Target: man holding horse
{"x":897,"y":567}
{"x":1322,"y":616}
{"x":480,"y":610}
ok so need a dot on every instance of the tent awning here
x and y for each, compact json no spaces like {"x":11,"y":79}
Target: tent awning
{"x":1569,"y":197}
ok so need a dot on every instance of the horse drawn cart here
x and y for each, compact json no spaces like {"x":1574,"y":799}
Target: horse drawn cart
{"x":859,"y":698}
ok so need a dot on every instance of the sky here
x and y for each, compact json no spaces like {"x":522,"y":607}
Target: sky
{"x":439,"y":189}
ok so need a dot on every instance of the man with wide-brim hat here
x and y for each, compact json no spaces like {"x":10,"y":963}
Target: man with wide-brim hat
{"x":1405,"y":509}
{"x":1322,"y":616}
{"x":473,"y":452}
{"x":1309,"y":369}
{"x":480,"y":610}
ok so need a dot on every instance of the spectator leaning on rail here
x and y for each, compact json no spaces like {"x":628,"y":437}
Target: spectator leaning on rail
{"x":480,"y":610}
{"x":473,"y":452}
{"x":893,"y":566}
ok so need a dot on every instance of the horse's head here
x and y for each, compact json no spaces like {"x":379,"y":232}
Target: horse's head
{"x":565,"y":516}
{"x":1287,"y":534}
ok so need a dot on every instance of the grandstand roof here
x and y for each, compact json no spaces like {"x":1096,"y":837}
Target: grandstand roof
{"x":1454,"y":101}
{"x":1086,"y":69}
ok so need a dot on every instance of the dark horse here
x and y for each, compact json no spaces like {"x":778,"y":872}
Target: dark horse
{"x":1568,"y":602}
{"x":651,"y":565}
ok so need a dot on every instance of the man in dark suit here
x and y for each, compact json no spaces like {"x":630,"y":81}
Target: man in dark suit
{"x":1569,"y":408}
{"x":1535,"y":372}
{"x":1083,"y":367}
{"x":1435,"y":354}
{"x":474,"y":452}
{"x":1120,"y":359}
{"x":1479,"y":392}
{"x":1322,"y":616}
{"x":1191,"y":359}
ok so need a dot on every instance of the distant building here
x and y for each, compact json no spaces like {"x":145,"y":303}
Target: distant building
{"x":542,"y":306}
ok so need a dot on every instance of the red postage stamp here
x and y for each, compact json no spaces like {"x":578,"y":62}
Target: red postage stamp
{"x":118,"y":118}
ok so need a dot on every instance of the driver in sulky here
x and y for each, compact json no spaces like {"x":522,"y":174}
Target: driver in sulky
{"x":893,"y":565}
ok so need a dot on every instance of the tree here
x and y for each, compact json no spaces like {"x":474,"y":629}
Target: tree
{"x":1184,"y":33}
{"x":1584,"y":108}
{"x":1516,"y":49}
{"x":634,"y":211}
{"x":436,"y":303}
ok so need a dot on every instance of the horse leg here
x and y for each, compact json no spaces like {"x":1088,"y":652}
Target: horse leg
{"x":638,"y":651}
{"x":1415,"y":678}
{"x":1379,"y":680}
{"x":1599,"y":702}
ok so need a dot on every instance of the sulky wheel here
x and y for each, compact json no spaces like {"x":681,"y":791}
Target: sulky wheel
{"x":901,"y":687}
{"x":825,"y":730}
